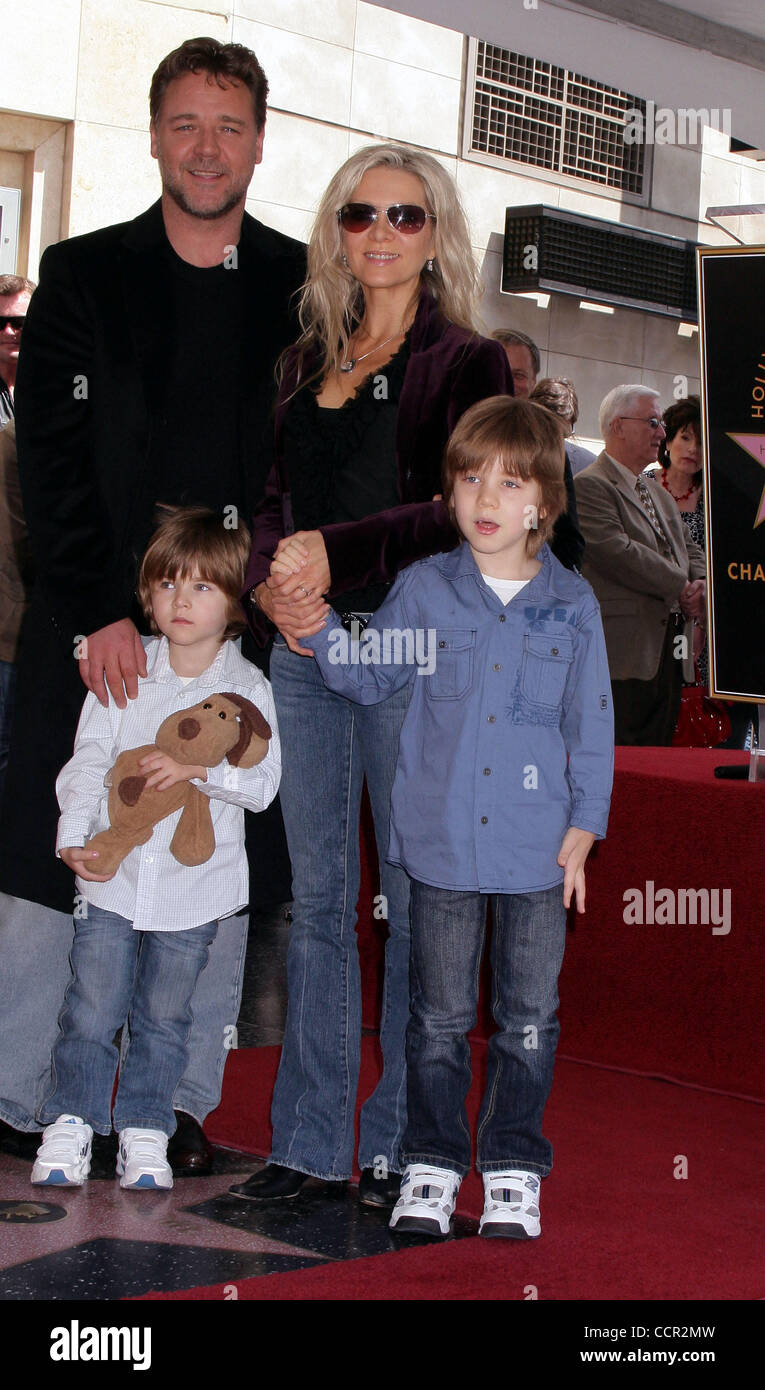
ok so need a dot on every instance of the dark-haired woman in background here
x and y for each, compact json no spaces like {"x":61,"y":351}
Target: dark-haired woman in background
{"x":680,"y":458}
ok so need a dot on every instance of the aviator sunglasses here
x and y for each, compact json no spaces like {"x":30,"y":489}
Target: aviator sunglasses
{"x":402,"y":217}
{"x":16,"y":322}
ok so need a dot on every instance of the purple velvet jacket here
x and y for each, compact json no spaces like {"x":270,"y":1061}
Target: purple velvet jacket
{"x":448,"y":370}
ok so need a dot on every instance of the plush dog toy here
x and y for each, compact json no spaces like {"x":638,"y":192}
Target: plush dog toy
{"x":222,"y":726}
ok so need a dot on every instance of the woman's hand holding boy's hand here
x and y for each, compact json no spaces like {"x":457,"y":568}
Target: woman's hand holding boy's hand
{"x":293,"y":595}
{"x":294,"y":618}
{"x":290,"y":557}
{"x":300,"y":565}
{"x":573,"y":852}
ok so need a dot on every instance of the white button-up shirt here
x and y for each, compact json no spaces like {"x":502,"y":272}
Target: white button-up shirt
{"x":150,"y":888}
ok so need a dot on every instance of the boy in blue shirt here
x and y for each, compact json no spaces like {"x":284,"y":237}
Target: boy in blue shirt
{"x":502,"y":786}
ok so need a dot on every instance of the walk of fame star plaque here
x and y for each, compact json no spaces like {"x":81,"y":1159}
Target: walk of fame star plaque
{"x":732,"y":338}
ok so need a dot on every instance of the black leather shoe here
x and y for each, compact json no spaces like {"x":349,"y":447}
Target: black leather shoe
{"x":379,"y":1192}
{"x":188,"y":1151}
{"x":18,"y":1142}
{"x":274,"y":1183}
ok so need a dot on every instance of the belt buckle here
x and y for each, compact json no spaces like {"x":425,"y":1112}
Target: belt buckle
{"x":355,"y":622}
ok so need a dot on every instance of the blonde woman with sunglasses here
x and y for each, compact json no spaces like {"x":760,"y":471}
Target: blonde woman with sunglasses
{"x":387,"y":362}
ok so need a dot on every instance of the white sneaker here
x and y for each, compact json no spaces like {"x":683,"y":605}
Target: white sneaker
{"x":142,"y":1159}
{"x":427,"y":1201}
{"x":63,"y":1158}
{"x":511,"y":1205}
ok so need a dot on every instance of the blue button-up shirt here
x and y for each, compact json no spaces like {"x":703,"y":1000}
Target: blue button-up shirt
{"x":508,"y":739}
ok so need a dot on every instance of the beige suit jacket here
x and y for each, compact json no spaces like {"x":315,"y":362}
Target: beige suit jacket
{"x":636,"y":587}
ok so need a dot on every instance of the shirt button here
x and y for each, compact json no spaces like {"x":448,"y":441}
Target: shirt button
{"x":501,"y":617}
{"x":492,"y":718}
{"x":442,"y":644}
{"x":487,"y":772}
{"x":554,"y":651}
{"x":484,"y":820}
{"x":497,"y":666}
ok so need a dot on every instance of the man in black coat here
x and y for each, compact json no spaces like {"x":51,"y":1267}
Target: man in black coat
{"x":146,"y":376}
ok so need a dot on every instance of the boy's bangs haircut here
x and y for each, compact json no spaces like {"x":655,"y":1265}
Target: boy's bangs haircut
{"x":195,"y":539}
{"x":527,"y":441}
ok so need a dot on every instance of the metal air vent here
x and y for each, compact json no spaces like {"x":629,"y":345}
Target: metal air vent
{"x":607,"y":262}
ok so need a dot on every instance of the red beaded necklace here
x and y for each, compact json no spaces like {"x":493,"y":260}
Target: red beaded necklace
{"x":681,"y":496}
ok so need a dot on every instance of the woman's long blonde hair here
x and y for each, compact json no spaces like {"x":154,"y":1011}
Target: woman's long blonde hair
{"x":332,"y":300}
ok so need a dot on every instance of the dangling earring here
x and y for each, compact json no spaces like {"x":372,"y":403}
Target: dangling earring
{"x":343,"y":258}
{"x":429,"y":263}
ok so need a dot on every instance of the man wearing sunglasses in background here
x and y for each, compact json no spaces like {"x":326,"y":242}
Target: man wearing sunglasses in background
{"x":647,"y":573}
{"x":146,"y":376}
{"x":15,"y":294}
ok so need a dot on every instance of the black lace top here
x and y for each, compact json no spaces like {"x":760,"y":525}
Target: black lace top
{"x":695,"y":522}
{"x":342,"y":463}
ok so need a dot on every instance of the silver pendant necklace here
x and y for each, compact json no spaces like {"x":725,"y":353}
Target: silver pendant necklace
{"x":351,"y":362}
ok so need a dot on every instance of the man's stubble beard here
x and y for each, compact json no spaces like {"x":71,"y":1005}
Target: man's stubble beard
{"x":208,"y":214}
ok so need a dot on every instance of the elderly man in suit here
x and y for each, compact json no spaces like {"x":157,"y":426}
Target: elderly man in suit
{"x":646,"y":571}
{"x":146,"y":376}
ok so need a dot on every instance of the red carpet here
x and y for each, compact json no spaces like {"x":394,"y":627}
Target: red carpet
{"x":640,"y":999}
{"x":616,"y":1222}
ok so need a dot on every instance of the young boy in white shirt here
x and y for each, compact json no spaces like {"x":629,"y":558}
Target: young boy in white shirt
{"x":502,"y":786}
{"x":144,"y":936}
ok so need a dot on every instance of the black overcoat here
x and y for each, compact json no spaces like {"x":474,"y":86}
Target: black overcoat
{"x":90,"y":370}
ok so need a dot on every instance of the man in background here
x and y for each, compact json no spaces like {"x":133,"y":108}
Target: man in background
{"x":523,"y":355}
{"x":647,"y":573}
{"x":15,"y":294}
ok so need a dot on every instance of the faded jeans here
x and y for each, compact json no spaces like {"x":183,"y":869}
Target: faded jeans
{"x":526,"y":955}
{"x":120,"y":973}
{"x":328,"y":745}
{"x":35,"y":943}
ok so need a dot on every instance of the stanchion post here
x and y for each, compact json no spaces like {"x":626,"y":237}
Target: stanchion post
{"x":757,"y":751}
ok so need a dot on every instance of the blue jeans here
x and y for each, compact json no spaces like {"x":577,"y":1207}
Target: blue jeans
{"x":121,"y":974}
{"x":7,"y":701}
{"x":328,"y":745}
{"x":526,"y":956}
{"x":35,"y":944}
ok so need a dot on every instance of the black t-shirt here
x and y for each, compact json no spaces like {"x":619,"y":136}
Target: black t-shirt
{"x":195,"y":453}
{"x":342,"y":463}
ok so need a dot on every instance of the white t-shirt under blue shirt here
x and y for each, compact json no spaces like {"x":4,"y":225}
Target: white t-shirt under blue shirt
{"x":505,"y":589}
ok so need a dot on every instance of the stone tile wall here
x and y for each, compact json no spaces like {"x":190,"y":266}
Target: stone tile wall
{"x":74,"y":137}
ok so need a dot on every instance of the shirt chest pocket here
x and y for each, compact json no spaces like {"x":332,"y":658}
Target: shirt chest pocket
{"x":454,"y":656}
{"x":544,"y":668}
